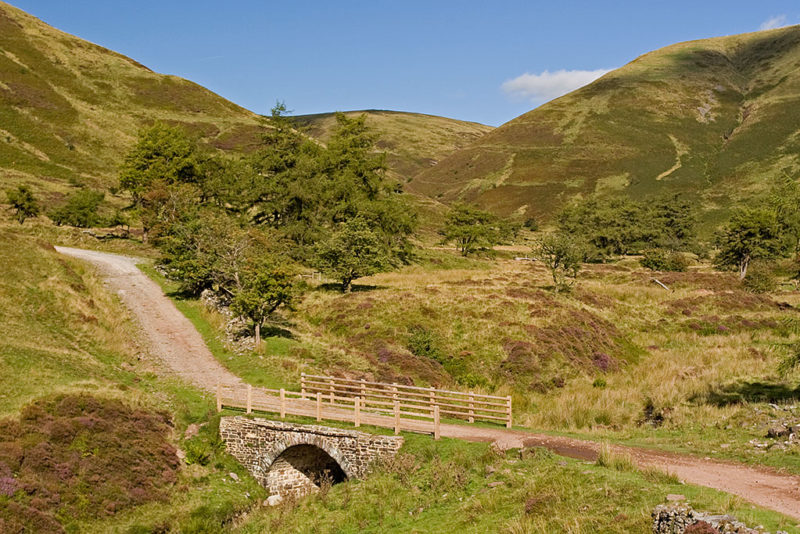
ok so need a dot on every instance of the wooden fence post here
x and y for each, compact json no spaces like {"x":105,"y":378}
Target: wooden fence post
{"x":330,"y":385}
{"x":508,"y":411}
{"x":436,"y":432}
{"x":357,"y":415}
{"x":471,"y":408}
{"x":396,"y":416}
{"x":219,"y":397}
{"x":432,"y":399}
{"x":249,"y":398}
{"x":283,"y":404}
{"x":303,"y":386}
{"x":319,"y":406}
{"x":363,"y":389}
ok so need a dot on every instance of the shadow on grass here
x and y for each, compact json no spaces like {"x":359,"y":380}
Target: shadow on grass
{"x":276,"y":331}
{"x":355,"y":288}
{"x":740,"y":392}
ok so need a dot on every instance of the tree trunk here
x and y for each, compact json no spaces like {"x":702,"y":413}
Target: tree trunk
{"x":743,"y":267}
{"x":258,"y":336}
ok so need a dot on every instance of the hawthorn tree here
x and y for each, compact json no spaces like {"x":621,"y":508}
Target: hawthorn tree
{"x":471,"y":229}
{"x":80,"y":209}
{"x":563,"y":254}
{"x":264,"y":288}
{"x":353,"y":250}
{"x":751,"y":234}
{"x":23,"y":203}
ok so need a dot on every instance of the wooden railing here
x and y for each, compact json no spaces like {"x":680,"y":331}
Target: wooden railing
{"x":411,"y":401}
{"x":375,"y":403}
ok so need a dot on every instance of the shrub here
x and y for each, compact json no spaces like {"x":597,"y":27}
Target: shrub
{"x":658,"y":259}
{"x":80,"y":210}
{"x":760,"y":278}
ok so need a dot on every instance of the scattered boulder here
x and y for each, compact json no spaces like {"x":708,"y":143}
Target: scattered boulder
{"x":778,"y":431}
{"x":273,"y":500}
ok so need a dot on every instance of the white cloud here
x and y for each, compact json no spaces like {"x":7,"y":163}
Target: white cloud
{"x":771,"y":23}
{"x":549,"y":85}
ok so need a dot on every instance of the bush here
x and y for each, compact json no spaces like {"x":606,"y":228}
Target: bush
{"x":658,"y":259}
{"x":80,"y":210}
{"x":760,"y":278}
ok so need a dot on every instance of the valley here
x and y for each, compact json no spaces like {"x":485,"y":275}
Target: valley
{"x":620,"y":263}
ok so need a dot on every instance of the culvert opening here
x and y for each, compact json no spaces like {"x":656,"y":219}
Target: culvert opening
{"x":303,"y":469}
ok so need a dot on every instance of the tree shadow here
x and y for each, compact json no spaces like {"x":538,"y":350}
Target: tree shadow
{"x":355,"y":288}
{"x":741,"y":392}
{"x":276,"y":331}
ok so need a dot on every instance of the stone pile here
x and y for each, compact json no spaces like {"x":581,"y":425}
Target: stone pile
{"x":677,"y":518}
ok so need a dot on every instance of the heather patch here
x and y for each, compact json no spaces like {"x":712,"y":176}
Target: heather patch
{"x":81,"y":457}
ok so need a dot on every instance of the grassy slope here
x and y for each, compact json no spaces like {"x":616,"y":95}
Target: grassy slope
{"x":413,"y":142}
{"x":70,"y":109}
{"x":721,"y":114}
{"x":63,"y":334}
{"x":692,"y":370}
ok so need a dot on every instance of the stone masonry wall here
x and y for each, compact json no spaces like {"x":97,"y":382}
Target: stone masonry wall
{"x":290,"y":458}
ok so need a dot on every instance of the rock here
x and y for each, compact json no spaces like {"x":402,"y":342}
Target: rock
{"x":496,"y":484}
{"x":490,"y":469}
{"x":795,"y":429}
{"x":273,"y":500}
{"x":674,"y":497}
{"x":234,"y":476}
{"x":180,"y":454}
{"x":778,"y":431}
{"x":191,"y":431}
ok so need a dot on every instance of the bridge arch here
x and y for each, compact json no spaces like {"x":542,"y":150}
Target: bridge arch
{"x":302,"y":469}
{"x":295,"y":458}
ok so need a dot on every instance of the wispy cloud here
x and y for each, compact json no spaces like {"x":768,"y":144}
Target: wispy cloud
{"x":549,"y":85}
{"x":778,"y":21}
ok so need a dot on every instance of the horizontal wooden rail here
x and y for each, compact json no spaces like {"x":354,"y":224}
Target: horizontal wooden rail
{"x":353,"y":410}
{"x":384,"y":397}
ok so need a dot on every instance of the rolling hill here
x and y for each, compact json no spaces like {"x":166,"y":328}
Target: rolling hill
{"x":69,"y":109}
{"x":716,"y":118}
{"x":413,"y":142}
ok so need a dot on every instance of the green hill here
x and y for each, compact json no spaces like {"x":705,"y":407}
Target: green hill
{"x":717,"y":118}
{"x":413,"y":142}
{"x":69,"y":109}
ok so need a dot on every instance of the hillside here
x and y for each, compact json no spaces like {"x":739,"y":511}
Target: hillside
{"x":717,"y":118}
{"x":413,"y":142}
{"x":70,"y":109}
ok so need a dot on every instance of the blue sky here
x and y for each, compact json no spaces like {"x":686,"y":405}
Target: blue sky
{"x":481,"y":61}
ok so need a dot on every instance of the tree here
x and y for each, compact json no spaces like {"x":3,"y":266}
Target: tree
{"x":79,"y":210}
{"x":353,"y":250}
{"x":562,"y":253}
{"x":471,"y":229}
{"x":23,"y":203}
{"x":751,"y":234}
{"x":264,"y":289}
{"x":161,"y":153}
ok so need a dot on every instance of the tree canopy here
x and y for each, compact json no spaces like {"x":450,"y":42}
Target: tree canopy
{"x":23,"y":203}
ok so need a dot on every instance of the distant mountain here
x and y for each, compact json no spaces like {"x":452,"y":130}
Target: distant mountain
{"x":716,"y":118}
{"x":413,"y":141}
{"x":70,"y":109}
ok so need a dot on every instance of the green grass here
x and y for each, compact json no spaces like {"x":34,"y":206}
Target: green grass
{"x":445,"y":487}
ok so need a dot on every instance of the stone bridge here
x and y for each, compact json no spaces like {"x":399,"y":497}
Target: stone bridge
{"x":296,"y":459}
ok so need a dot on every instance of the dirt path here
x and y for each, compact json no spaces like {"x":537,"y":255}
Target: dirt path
{"x":175,"y":340}
{"x":170,"y":335}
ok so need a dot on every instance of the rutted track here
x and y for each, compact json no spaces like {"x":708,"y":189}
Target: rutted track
{"x":174,"y":340}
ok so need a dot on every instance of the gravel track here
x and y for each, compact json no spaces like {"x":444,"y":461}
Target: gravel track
{"x":173,"y":339}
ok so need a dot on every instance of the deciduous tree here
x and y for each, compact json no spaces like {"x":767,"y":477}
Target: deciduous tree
{"x":23,"y":203}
